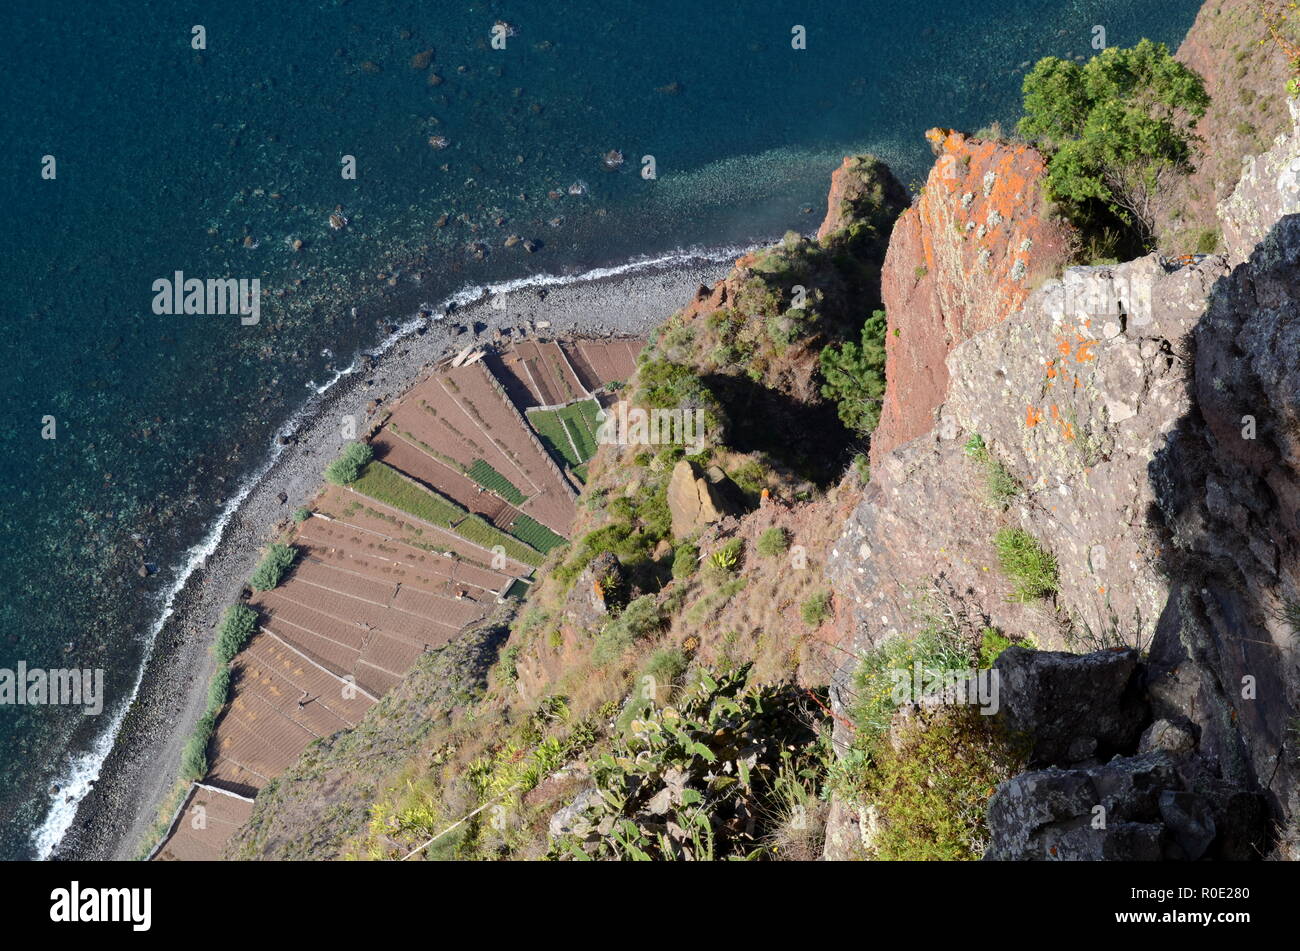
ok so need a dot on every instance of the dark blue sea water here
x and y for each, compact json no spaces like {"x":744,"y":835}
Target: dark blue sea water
{"x":213,"y":162}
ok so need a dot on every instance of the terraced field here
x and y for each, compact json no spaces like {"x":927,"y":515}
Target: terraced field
{"x":569,"y":432}
{"x":539,"y":374}
{"x":599,"y":363}
{"x":459,"y":505}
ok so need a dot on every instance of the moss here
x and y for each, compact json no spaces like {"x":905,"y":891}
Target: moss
{"x":933,"y":786}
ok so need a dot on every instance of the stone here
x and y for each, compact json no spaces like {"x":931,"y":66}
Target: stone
{"x":1190,"y":820}
{"x":1169,"y":736}
{"x":693,"y":501}
{"x":1071,"y":706}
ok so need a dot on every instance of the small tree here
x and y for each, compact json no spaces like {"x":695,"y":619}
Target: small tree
{"x":855,"y":376}
{"x":1116,"y":130}
{"x":347,"y":467}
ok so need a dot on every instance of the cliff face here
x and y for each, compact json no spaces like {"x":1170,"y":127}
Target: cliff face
{"x":1148,"y":419}
{"x":1244,"y":74}
{"x":961,"y":259}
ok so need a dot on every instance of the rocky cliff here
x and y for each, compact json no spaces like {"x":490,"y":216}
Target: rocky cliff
{"x":1143,"y":425}
{"x":1244,"y":73}
{"x":961,"y":258}
{"x":1085,"y":483}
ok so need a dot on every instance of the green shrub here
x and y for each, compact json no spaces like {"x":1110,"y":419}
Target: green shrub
{"x":301,"y":515}
{"x":775,"y":541}
{"x":219,"y":688}
{"x":237,"y":626}
{"x":1031,"y":568}
{"x":992,"y":643}
{"x":667,"y":665}
{"x":816,"y":609}
{"x":932,"y":789}
{"x":194,"y":755}
{"x":349,"y":464}
{"x":638,"y":620}
{"x":272,"y":567}
{"x":685,"y":560}
{"x":1114,"y":129}
{"x":855,"y":376}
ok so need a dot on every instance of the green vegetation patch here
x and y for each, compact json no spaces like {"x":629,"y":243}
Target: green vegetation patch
{"x":385,"y":484}
{"x":692,"y":781}
{"x":483,"y":533}
{"x":932,"y":788}
{"x":347,"y":467}
{"x":1115,"y":130}
{"x":816,"y":609}
{"x":486,"y":476}
{"x":568,"y":432}
{"x":1031,"y":568}
{"x":638,"y":621}
{"x":277,"y":560}
{"x":535,"y":534}
{"x":855,"y":376}
{"x":773,"y":542}
{"x":237,"y":625}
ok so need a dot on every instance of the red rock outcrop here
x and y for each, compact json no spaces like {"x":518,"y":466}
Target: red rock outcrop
{"x":961,"y":259}
{"x":860,"y":189}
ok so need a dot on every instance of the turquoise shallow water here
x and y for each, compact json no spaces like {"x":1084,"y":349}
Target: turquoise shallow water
{"x":212,"y":162}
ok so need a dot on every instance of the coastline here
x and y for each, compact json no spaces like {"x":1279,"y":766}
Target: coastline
{"x":141,"y":768}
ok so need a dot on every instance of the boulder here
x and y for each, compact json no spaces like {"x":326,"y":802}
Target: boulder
{"x":601,"y":585}
{"x":695,"y":501}
{"x":1137,"y":808}
{"x":1071,"y":707}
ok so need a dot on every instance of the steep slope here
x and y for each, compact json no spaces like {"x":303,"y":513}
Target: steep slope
{"x":1244,"y":74}
{"x":690,"y":554}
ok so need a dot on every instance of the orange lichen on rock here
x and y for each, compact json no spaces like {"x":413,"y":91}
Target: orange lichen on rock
{"x":961,"y":259}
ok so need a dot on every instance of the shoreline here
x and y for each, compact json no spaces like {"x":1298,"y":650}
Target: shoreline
{"x":142,"y":766}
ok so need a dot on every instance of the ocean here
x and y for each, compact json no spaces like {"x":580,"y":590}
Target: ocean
{"x":228,"y":162}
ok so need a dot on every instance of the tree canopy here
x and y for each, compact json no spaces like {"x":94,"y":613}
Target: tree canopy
{"x":855,"y":376}
{"x":1116,"y":129}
